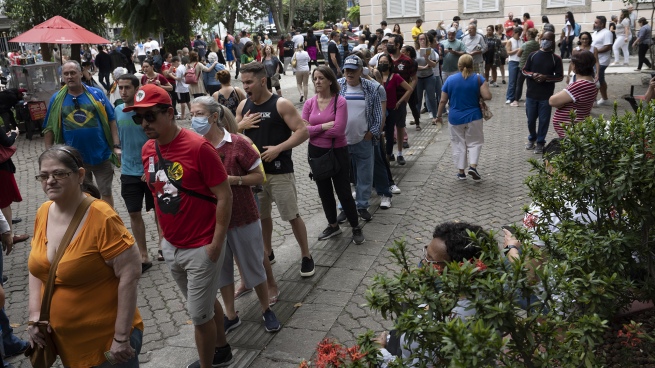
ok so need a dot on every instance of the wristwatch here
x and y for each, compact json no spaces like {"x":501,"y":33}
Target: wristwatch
{"x":117,"y":146}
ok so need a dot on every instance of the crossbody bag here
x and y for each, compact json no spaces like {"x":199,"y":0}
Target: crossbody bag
{"x":190,"y":192}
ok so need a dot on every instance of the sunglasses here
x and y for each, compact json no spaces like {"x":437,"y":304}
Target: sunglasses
{"x":150,"y":116}
{"x":77,"y":103}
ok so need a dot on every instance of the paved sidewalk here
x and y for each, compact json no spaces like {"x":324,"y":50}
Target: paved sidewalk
{"x":331,"y":303}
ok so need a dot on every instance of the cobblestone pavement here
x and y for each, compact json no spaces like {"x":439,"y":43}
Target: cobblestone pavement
{"x":331,"y":303}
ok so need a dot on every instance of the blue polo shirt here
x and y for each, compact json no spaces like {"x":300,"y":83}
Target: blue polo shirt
{"x":132,"y":140}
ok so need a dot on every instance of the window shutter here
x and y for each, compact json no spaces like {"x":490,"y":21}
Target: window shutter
{"x":394,"y":8}
{"x":411,"y":8}
{"x":489,"y":5}
{"x":564,"y":3}
{"x":471,"y":6}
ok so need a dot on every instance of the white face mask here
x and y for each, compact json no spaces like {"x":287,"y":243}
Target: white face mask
{"x":365,"y":72}
{"x":200,"y":124}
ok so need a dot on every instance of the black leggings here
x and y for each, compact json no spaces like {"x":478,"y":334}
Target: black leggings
{"x":395,"y":118}
{"x":643,"y":50}
{"x":519,"y":86}
{"x":341,"y":184}
{"x":413,"y":101}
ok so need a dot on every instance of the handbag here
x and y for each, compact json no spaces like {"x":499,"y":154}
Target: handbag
{"x":294,"y":62}
{"x":326,"y":165}
{"x":45,"y":356}
{"x":486,"y":111}
{"x":6,"y":153}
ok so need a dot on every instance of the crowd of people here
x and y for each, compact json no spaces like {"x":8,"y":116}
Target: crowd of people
{"x":222,"y":178}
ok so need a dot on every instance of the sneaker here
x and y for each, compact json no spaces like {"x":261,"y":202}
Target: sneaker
{"x":406,"y":144}
{"x":474,"y":173}
{"x":271,"y":324}
{"x":364,"y":214}
{"x":424,"y":110}
{"x":391,"y":157}
{"x":401,"y":160}
{"x":230,"y":324}
{"x":461,"y":176}
{"x":504,"y":82}
{"x":394,"y":189}
{"x":302,"y":98}
{"x":329,"y":232}
{"x":601,"y":102}
{"x":514,"y":104}
{"x":529,"y":145}
{"x":222,"y":358}
{"x":307,"y":267}
{"x":385,"y":204}
{"x":342,"y":217}
{"x":494,"y":84}
{"x":271,"y":257}
{"x":358,"y":236}
{"x":539,"y":149}
{"x":508,"y":102}
{"x":354,"y":194}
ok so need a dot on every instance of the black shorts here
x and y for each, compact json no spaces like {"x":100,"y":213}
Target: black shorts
{"x":183,"y":97}
{"x":133,"y":190}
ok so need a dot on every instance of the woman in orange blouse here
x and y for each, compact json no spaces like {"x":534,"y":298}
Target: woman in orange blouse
{"x":93,"y":308}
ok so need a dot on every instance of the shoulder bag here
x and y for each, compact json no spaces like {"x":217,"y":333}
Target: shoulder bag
{"x":178,"y":186}
{"x":486,"y":112}
{"x":6,"y":153}
{"x":294,"y":61}
{"x":45,"y":356}
{"x":325,"y":166}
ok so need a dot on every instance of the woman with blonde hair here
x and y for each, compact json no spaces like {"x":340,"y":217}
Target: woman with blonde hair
{"x":463,"y":90}
{"x":301,"y":70}
{"x":623,"y":37}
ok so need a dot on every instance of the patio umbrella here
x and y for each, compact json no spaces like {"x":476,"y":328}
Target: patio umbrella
{"x":59,"y":30}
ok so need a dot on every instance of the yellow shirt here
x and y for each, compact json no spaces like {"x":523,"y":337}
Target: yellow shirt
{"x":416,"y":31}
{"x":85,"y":300}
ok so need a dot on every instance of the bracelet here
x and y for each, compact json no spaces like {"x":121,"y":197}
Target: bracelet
{"x":122,"y":341}
{"x":117,"y":146}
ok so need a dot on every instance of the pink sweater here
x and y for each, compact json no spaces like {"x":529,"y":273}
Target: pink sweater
{"x":323,"y":138}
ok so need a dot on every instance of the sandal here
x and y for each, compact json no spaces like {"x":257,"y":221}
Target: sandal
{"x":418,"y":128}
{"x":160,"y":256}
{"x":274,"y":299}
{"x":20,"y":238}
{"x":239,"y":293}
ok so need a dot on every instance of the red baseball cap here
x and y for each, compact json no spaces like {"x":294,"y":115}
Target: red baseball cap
{"x":149,"y":96}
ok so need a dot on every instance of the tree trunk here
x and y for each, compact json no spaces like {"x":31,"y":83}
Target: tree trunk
{"x":230,"y":21}
{"x":278,"y":17}
{"x":45,"y":52}
{"x":292,"y":10}
{"x":75,"y":52}
{"x":321,"y":5}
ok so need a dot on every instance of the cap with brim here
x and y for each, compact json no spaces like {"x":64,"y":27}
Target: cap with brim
{"x":353,"y":62}
{"x":149,"y":96}
{"x":385,"y":38}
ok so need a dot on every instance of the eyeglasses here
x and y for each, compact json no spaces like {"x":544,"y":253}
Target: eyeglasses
{"x":77,"y":103}
{"x":59,"y":175}
{"x":426,"y":261}
{"x":150,"y":116}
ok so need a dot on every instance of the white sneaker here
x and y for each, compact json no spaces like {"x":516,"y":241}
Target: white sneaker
{"x":508,"y":102}
{"x":385,"y":204}
{"x":394,"y":189}
{"x":354,"y":195}
{"x":602,"y":102}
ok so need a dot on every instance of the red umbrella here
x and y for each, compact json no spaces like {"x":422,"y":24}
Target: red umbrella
{"x":59,"y":30}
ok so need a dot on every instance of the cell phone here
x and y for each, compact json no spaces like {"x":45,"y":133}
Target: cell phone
{"x":510,"y":229}
{"x":110,"y":358}
{"x":450,"y":48}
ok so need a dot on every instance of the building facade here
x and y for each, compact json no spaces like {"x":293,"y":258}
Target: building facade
{"x":490,"y":12}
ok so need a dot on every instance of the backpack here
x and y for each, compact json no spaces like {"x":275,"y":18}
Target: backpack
{"x":577,"y":29}
{"x":190,"y":76}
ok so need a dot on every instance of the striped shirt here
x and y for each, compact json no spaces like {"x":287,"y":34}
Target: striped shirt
{"x":583,"y":93}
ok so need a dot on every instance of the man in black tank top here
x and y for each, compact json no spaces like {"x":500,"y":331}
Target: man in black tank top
{"x":270,"y":120}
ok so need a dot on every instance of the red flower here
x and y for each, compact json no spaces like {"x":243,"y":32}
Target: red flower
{"x":480,"y":265}
{"x":530,"y":220}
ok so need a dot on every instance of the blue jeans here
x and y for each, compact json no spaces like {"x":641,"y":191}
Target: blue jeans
{"x":136,"y":340}
{"x":514,"y":71}
{"x":426,"y":85}
{"x":11,"y":344}
{"x":537,"y":109}
{"x":380,"y":177}
{"x":362,"y":155}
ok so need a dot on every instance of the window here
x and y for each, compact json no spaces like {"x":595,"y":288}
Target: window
{"x":480,"y":6}
{"x":564,"y":3}
{"x":402,"y":8}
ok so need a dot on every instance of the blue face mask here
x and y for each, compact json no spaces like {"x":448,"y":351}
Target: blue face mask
{"x":200,"y":124}
{"x":546,"y":44}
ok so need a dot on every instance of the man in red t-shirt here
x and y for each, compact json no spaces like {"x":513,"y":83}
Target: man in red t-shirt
{"x":509,"y":25}
{"x":406,"y":68}
{"x":193,"y":203}
{"x":527,"y":24}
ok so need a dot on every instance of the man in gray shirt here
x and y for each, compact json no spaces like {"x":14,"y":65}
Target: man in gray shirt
{"x":475,"y":46}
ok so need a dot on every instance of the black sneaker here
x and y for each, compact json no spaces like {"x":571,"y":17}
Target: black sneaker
{"x":302,"y":98}
{"x":342,"y":217}
{"x":358,"y":236}
{"x":539,"y":149}
{"x":329,"y":232}
{"x":307,"y":267}
{"x":504,"y":82}
{"x":230,"y":324}
{"x":364,"y":214}
{"x":461,"y":176}
{"x":222,"y":358}
{"x":406,"y":144}
{"x":529,"y":146}
{"x":392,"y":158}
{"x":474,"y":173}
{"x":271,"y":257}
{"x":271,"y":324}
{"x":401,"y":160}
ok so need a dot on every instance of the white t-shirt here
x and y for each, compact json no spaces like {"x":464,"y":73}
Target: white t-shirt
{"x":180,"y":86}
{"x":298,"y":40}
{"x":357,"y":125}
{"x":154,"y":45}
{"x":140,"y":49}
{"x":147,"y":47}
{"x":302,"y":61}
{"x":244,"y":40}
{"x":566,"y":29}
{"x":600,"y":39}
{"x":515,"y":45}
{"x":387,"y":31}
{"x":360,"y":47}
{"x":374,"y":60}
